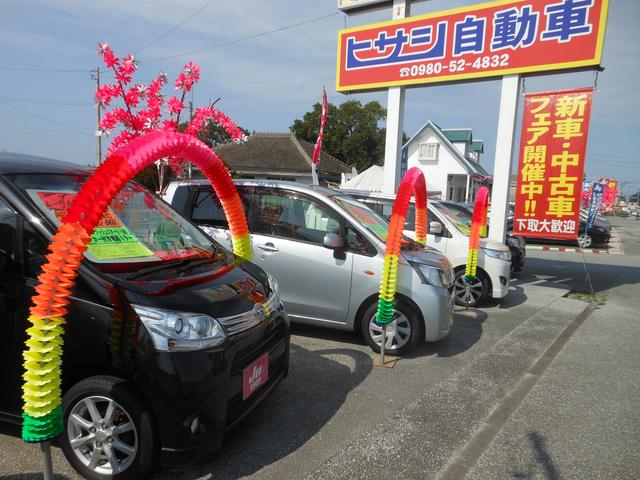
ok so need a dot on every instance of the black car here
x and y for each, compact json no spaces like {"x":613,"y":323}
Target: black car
{"x":598,"y":234}
{"x":170,"y":339}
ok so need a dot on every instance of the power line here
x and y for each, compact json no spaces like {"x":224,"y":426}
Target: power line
{"x":242,"y":39}
{"x":171,"y":30}
{"x":54,"y":70}
{"x":45,"y":118}
{"x":45,"y":101}
{"x":50,"y":130}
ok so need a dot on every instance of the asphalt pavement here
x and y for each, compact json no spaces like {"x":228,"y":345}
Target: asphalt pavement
{"x":535,"y":386}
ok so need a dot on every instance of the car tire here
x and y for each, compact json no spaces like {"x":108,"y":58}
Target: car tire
{"x":402,"y":334}
{"x":585,"y":240}
{"x":472,"y":293}
{"x":108,"y":431}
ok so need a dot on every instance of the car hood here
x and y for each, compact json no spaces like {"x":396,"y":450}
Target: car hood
{"x":426,"y":256}
{"x":219,"y":289}
{"x":493,"y":245}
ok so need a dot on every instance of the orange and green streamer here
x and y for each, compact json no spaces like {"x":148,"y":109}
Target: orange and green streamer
{"x":42,"y":410}
{"x":478,"y":228}
{"x":412,"y":181}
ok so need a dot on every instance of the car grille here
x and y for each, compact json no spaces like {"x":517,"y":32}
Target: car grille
{"x":236,"y":324}
{"x":275,"y":345}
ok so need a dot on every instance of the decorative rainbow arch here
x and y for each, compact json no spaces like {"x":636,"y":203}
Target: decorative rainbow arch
{"x":42,"y":411}
{"x":412,"y":181}
{"x":478,"y":228}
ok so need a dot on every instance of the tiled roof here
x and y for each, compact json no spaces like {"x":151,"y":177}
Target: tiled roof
{"x":457,"y":134}
{"x":277,"y":152}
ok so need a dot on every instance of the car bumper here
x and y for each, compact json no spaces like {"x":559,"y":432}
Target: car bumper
{"x":196,"y":396}
{"x":436,"y":305}
{"x":499,"y":272}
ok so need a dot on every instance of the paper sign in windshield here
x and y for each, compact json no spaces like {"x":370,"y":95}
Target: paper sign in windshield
{"x":111,"y":240}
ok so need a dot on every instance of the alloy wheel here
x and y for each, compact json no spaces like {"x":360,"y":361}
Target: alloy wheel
{"x":584,"y":240}
{"x":102,"y":435}
{"x":468,"y":291}
{"x":398,"y":331}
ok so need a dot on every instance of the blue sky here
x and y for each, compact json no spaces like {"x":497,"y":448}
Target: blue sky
{"x":268,"y":81}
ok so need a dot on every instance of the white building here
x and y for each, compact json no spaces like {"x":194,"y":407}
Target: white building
{"x":449,"y":159}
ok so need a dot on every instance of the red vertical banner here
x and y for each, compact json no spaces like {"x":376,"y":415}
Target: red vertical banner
{"x":318,"y":145}
{"x":552,"y":150}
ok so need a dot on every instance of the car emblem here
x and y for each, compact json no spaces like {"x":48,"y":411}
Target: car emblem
{"x":259,"y":312}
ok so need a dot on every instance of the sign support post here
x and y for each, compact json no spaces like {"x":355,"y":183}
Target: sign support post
{"x":395,"y":120}
{"x":503,"y":163}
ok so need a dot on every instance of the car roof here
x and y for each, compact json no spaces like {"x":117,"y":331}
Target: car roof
{"x":16,"y":163}
{"x":378,"y":195}
{"x":298,"y":186}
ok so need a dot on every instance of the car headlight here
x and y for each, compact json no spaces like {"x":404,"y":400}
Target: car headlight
{"x":273,"y":302}
{"x":173,"y":331}
{"x":501,"y":254}
{"x":434,"y":276}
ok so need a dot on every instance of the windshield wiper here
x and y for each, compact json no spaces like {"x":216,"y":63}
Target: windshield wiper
{"x":157,"y":268}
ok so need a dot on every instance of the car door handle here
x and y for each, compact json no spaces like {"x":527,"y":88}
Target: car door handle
{"x":268,"y":247}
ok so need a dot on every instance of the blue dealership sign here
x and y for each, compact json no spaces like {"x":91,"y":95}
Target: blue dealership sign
{"x":597,"y":191}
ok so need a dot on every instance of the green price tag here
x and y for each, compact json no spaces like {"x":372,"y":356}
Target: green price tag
{"x":116,"y":242}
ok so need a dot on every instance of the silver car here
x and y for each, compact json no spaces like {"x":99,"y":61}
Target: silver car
{"x":326,"y":251}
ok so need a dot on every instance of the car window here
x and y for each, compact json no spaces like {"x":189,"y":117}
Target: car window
{"x":136,"y":227}
{"x":207,"y":209}
{"x":34,"y":250}
{"x":357,"y":243}
{"x":7,"y":233}
{"x":293,"y":216}
{"x":410,"y":221}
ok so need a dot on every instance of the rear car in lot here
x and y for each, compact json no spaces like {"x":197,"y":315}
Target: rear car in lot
{"x":327,"y":251}
{"x":448,"y":233}
{"x":598,"y":234}
{"x":517,"y":245}
{"x":170,"y":339}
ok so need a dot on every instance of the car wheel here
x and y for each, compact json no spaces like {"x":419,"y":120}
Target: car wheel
{"x":108,"y":431}
{"x":585,"y":240}
{"x":470,"y":293}
{"x":402,"y":334}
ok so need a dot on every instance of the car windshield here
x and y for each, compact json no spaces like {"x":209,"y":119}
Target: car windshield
{"x":371,"y":220}
{"x":137,"y":226}
{"x":459,"y":216}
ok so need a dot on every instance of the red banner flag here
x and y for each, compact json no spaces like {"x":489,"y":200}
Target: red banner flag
{"x":552,"y":149}
{"x":318,"y":146}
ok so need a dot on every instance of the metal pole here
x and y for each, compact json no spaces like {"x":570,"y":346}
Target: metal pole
{"x":395,"y":120}
{"x":382,"y":346}
{"x":509,"y":97}
{"x":98,"y":108}
{"x":46,"y":455}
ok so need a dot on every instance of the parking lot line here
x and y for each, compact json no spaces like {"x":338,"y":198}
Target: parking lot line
{"x":614,"y":248}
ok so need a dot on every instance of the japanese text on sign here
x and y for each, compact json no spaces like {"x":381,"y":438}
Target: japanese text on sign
{"x":552,"y":149}
{"x":498,"y":38}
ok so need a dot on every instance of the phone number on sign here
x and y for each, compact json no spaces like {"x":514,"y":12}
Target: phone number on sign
{"x":436,"y":68}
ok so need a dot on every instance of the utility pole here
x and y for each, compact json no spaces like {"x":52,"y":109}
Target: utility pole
{"x":190,"y":120}
{"x":96,"y":77}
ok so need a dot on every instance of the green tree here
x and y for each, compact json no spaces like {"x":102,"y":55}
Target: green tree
{"x":352,"y":132}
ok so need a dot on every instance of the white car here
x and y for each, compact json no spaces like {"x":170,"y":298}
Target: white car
{"x":447,"y":234}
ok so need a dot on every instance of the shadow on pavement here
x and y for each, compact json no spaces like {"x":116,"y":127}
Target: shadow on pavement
{"x":466,"y":332}
{"x":32,"y":476}
{"x":318,"y":384}
{"x":543,"y":461}
{"x":572,"y":275}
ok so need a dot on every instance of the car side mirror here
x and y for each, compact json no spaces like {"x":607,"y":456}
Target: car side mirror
{"x":333,"y":241}
{"x":435,"y":228}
